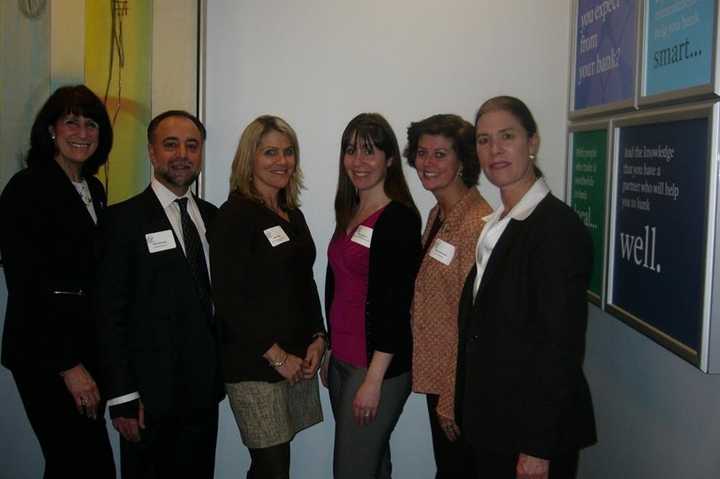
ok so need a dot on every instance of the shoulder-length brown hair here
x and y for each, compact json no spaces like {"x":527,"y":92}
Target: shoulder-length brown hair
{"x":371,"y":128}
{"x":241,"y":179}
{"x":78,"y":100}
{"x":460,"y":132}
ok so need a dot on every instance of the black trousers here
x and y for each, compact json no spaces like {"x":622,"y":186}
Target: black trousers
{"x":501,"y":466}
{"x":173,"y":447}
{"x":453,"y":459}
{"x":270,"y":462}
{"x":73,"y":445}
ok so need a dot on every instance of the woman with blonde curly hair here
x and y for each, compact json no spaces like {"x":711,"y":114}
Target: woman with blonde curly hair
{"x":266,"y":299}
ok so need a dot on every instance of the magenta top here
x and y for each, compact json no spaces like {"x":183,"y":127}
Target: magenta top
{"x":350,"y":261}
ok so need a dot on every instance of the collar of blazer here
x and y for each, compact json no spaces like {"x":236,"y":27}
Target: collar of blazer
{"x":155,"y":218}
{"x":457,"y":216}
{"x":60,"y":190}
{"x":507,"y":241}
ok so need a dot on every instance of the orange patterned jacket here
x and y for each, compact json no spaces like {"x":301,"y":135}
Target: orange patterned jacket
{"x":437,"y":294}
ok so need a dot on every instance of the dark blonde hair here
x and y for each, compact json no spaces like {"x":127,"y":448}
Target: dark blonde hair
{"x":372,"y":129}
{"x":241,"y":179}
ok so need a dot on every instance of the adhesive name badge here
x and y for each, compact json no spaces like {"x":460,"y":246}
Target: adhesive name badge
{"x":160,"y":241}
{"x":362,"y":236}
{"x":276,"y":236}
{"x":442,"y":251}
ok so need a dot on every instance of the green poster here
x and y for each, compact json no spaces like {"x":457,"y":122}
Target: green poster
{"x":589,"y":157}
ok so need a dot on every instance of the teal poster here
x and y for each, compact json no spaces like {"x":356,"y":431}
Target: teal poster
{"x":679,"y":44}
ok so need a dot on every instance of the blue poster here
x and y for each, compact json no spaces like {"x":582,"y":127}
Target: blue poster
{"x":659,"y":239}
{"x":679,"y":44}
{"x":605,"y":52}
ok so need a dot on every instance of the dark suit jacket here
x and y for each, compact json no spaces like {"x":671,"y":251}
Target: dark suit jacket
{"x":49,"y":245}
{"x":520,"y":384}
{"x":155,"y":335}
{"x":394,"y":262}
{"x":263,"y":294}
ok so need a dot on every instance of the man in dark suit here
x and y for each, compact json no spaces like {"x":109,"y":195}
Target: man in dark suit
{"x":157,"y":334}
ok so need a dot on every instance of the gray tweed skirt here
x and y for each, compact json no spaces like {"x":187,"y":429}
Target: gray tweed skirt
{"x":269,"y":414}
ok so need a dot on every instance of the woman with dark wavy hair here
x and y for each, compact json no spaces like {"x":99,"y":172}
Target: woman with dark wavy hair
{"x":372,"y":262}
{"x":50,"y":211}
{"x":442,"y":150}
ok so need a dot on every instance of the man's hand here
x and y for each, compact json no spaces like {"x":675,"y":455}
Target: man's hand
{"x":130,"y":427}
{"x":530,"y":467}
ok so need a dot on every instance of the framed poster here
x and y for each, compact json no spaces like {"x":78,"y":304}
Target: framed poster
{"x":587,"y":193}
{"x":604,"y":56}
{"x":662,"y":226}
{"x":679,"y":50}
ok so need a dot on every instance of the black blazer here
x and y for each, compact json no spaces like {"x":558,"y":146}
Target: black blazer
{"x":521,"y":387}
{"x":263,"y":294}
{"x":394,"y":262}
{"x":156,"y":337}
{"x":49,"y":249}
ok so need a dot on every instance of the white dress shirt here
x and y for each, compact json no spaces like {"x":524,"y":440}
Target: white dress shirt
{"x":172,"y":211}
{"x":84,"y":191}
{"x":495,"y":225}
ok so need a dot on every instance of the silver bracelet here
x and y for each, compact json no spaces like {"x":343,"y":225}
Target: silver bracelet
{"x":278,"y":364}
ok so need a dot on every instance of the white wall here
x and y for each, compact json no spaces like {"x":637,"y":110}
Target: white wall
{"x":24,"y":85}
{"x":174,"y":62}
{"x":318,"y":63}
{"x":658,"y":417}
{"x":20,"y":456}
{"x":24,"y":81}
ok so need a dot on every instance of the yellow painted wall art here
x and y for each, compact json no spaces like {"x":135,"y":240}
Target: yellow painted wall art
{"x":118,"y":68}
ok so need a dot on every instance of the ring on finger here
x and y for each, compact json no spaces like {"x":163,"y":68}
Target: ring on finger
{"x":83,"y":401}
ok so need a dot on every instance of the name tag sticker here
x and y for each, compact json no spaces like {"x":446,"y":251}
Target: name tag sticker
{"x":442,"y":251}
{"x":160,"y":241}
{"x":276,"y":236}
{"x":362,"y":236}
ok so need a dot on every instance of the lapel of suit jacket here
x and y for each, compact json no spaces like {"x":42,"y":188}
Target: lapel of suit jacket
{"x":457,"y":217}
{"x":156,"y":220}
{"x":98,"y":197}
{"x":466,"y":300}
{"x":204,"y":211}
{"x":500,"y":251}
{"x":65,"y":192}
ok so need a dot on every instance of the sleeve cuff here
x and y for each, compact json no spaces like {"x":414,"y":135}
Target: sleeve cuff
{"x":127,"y":409}
{"x":116,"y":401}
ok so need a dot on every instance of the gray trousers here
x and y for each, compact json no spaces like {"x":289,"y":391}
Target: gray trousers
{"x":363,"y":452}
